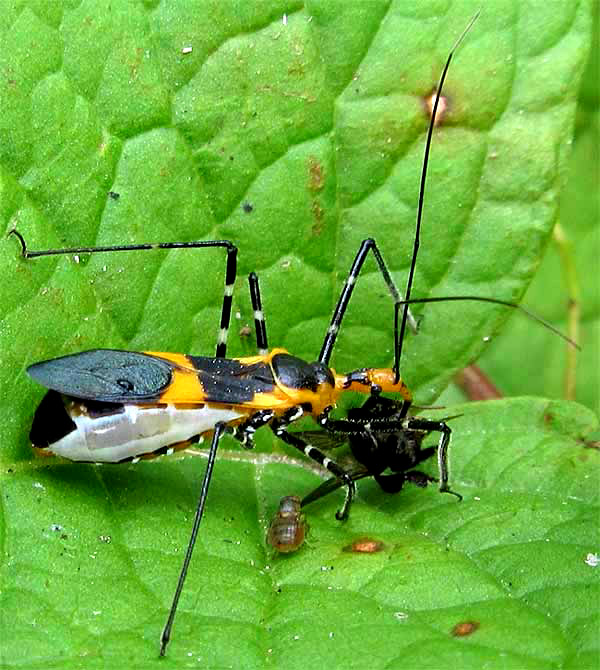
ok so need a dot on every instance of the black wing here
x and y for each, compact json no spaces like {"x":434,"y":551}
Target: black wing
{"x":116,"y":376}
{"x":105,"y":375}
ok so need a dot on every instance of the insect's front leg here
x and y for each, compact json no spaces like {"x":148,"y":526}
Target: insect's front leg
{"x":279,"y":427}
{"x":416,"y":423}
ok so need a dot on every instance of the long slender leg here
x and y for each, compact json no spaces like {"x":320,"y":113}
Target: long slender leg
{"x":279,"y":428}
{"x":230,"y":269}
{"x":166,"y":634}
{"x":259,"y":317}
{"x":342,"y":304}
{"x":369,"y":244}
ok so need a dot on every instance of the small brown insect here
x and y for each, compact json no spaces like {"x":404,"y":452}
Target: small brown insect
{"x":288,"y":527}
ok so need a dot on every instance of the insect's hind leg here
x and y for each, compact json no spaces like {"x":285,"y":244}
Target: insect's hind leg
{"x":230,"y":269}
{"x":279,"y":427}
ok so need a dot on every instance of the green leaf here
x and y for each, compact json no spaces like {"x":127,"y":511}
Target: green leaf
{"x":317,"y":122}
{"x":567,"y":278}
{"x":101,"y":547}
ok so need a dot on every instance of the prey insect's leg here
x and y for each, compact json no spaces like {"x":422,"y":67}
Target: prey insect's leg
{"x":331,"y":485}
{"x":259,"y":317}
{"x":394,"y":483}
{"x":340,"y":309}
{"x":279,"y":428}
{"x":415,"y":423}
{"x":166,"y":634}
{"x":230,"y":269}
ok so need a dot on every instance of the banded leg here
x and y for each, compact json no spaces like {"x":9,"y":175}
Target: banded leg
{"x":369,"y":244}
{"x":279,"y":428}
{"x":219,"y":430}
{"x":259,"y":317}
{"x":244,"y":432}
{"x":230,"y":269}
{"x":342,"y":304}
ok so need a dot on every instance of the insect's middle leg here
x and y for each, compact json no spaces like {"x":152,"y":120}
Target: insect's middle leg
{"x":279,"y":427}
{"x":259,"y":317}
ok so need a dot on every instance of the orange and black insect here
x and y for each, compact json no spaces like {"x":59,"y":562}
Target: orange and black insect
{"x":288,"y":527}
{"x":113,"y":406}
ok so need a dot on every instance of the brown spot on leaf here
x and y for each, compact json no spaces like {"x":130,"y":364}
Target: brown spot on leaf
{"x":316,"y":175}
{"x":442,"y":108}
{"x":465,"y":628}
{"x":365,"y":545}
{"x":318,"y":213}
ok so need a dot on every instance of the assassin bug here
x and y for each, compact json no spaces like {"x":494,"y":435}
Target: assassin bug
{"x":288,"y":527}
{"x":114,"y":406}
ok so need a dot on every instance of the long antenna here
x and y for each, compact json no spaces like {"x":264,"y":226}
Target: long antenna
{"x":398,"y":347}
{"x":496,"y":301}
